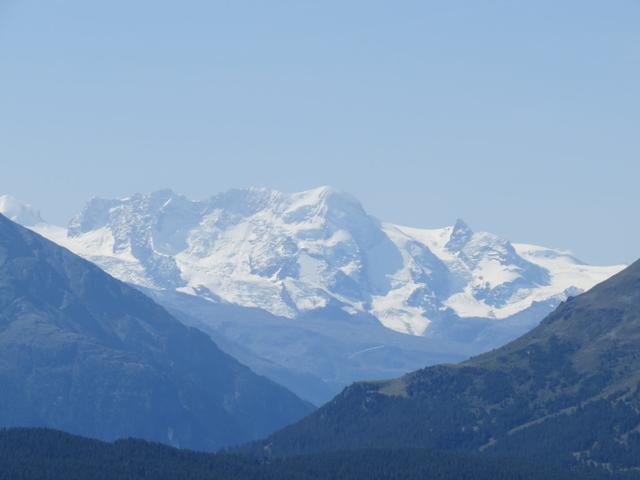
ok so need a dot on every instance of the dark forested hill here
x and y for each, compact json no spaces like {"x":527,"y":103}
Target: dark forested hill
{"x":83,"y":352}
{"x":38,"y":454}
{"x":567,"y":392}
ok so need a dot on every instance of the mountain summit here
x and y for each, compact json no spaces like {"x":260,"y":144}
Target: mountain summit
{"x":461,"y":234}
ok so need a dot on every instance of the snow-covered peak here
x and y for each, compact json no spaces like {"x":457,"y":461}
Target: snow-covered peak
{"x":318,"y":212}
{"x":537,"y":253}
{"x":461,"y":234}
{"x":296,"y":253}
{"x":19,"y":212}
{"x":101,"y":212}
{"x":254,"y":232}
{"x":299,"y":207}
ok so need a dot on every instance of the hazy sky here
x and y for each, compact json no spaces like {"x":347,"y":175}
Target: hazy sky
{"x":522,"y":117}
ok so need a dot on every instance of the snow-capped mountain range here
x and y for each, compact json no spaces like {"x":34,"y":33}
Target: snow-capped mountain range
{"x":293,"y":253}
{"x":319,"y":254}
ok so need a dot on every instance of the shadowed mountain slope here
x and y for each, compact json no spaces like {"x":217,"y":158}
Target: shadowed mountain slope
{"x":83,"y":352}
{"x":567,"y":392}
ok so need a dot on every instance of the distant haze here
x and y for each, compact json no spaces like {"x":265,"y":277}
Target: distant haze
{"x":520,"y":117}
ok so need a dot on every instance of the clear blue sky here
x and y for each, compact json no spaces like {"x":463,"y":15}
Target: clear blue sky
{"x":522,"y":117}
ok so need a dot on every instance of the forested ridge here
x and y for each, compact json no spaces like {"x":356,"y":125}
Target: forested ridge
{"x":42,"y":454}
{"x":567,"y":393}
